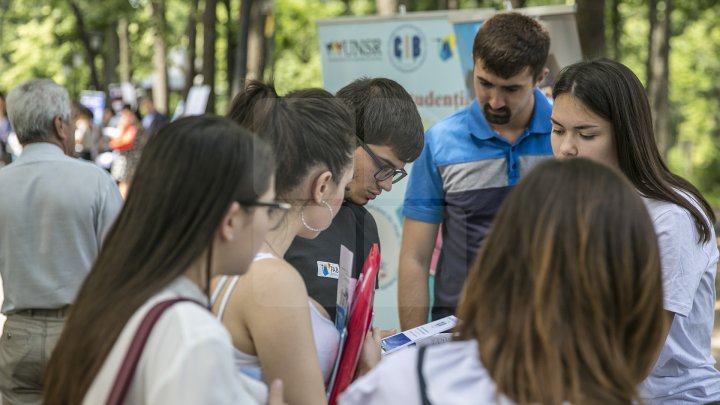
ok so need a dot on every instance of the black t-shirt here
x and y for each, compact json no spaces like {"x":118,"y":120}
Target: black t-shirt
{"x":318,"y":259}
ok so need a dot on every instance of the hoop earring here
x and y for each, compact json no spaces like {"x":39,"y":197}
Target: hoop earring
{"x":310,"y":228}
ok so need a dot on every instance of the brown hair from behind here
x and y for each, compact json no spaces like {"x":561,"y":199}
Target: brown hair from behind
{"x":563,"y":298}
{"x":306,"y":128}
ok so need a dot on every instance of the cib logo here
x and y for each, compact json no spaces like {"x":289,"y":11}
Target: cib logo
{"x":407,"y":48}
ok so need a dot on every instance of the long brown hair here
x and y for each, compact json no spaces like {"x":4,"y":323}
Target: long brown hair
{"x":564,"y":296}
{"x":189,"y":174}
{"x":612,"y":91}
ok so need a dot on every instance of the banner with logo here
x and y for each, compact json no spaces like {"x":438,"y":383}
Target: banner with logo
{"x":417,"y":50}
{"x":427,"y":53}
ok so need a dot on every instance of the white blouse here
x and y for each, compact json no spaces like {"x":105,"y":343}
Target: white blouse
{"x":188,"y":358}
{"x":453,"y":373}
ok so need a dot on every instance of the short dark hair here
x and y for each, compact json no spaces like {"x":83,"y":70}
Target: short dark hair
{"x":508,"y":42}
{"x":305,"y":128}
{"x":385,"y":114}
{"x":612,"y":91}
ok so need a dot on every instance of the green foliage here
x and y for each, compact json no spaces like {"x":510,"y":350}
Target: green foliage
{"x":31,"y":45}
{"x":39,"y":38}
{"x":297,"y":55}
{"x":695,"y":98}
{"x":634,"y":38}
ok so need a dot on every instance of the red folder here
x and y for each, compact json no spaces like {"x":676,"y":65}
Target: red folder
{"x":358,"y":324}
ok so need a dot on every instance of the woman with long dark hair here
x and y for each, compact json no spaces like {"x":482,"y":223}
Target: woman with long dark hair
{"x":278,"y":331}
{"x":197,"y":208}
{"x":601,"y":112}
{"x":560,"y":307}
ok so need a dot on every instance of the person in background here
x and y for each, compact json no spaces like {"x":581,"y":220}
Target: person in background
{"x":601,"y":112}
{"x":152,"y":119}
{"x":52,"y":224}
{"x":128,"y":145}
{"x":199,"y":208}
{"x":85,"y":145}
{"x":470,"y":162}
{"x":5,"y":131}
{"x":560,"y":307}
{"x":389,"y":134}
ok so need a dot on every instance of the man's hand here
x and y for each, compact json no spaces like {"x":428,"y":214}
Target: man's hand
{"x":418,"y":242}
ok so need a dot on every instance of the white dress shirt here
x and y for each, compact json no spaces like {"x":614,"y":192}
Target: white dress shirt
{"x":54,"y":213}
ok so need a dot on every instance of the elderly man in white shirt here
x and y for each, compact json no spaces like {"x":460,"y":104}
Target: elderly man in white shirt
{"x":53,"y":215}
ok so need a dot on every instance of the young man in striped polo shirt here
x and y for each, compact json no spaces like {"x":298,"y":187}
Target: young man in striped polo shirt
{"x":471,"y":160}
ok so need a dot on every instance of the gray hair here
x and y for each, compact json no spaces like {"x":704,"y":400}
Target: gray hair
{"x":32,"y":107}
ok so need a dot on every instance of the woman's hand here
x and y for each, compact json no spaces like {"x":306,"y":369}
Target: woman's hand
{"x":275,"y":397}
{"x":370,"y":354}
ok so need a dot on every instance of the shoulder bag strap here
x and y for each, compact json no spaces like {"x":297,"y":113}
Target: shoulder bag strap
{"x":132,"y":357}
{"x":421,"y":377}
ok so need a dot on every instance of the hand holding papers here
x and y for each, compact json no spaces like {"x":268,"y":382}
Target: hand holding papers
{"x":427,"y":334}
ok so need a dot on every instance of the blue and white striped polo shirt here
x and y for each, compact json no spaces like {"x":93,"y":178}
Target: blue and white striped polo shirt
{"x":462,"y":176}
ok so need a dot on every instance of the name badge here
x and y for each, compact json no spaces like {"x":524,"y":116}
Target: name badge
{"x":328,"y":270}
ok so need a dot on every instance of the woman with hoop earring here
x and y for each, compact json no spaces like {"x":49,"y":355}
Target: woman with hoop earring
{"x":277,"y":329}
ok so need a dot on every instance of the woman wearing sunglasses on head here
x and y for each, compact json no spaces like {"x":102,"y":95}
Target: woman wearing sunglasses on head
{"x":196,"y":209}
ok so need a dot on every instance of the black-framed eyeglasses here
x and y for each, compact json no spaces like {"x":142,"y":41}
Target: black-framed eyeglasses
{"x":385,"y":171}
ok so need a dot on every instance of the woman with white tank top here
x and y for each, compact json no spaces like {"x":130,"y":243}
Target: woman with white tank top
{"x":277,"y":330}
{"x":325,"y":334}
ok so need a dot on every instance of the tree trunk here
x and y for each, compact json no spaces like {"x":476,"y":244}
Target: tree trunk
{"x":616,"y":22}
{"x":111,"y":55}
{"x":658,"y":70}
{"x":386,"y":7}
{"x":160,"y":79}
{"x":85,"y":38}
{"x":124,"y":40}
{"x":241,"y":55}
{"x":256,"y":42}
{"x":208,"y":67}
{"x":591,"y":27}
{"x":270,"y":46}
{"x":191,"y":33}
{"x":518,"y":3}
{"x":230,"y":49}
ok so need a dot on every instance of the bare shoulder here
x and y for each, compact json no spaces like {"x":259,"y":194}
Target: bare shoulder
{"x":275,"y":282}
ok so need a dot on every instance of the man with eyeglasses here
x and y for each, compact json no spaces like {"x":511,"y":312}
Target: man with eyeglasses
{"x":470,"y":162}
{"x":389,"y":135}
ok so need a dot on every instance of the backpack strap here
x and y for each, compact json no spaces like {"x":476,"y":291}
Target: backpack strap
{"x":132,"y":357}
{"x":421,"y":377}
